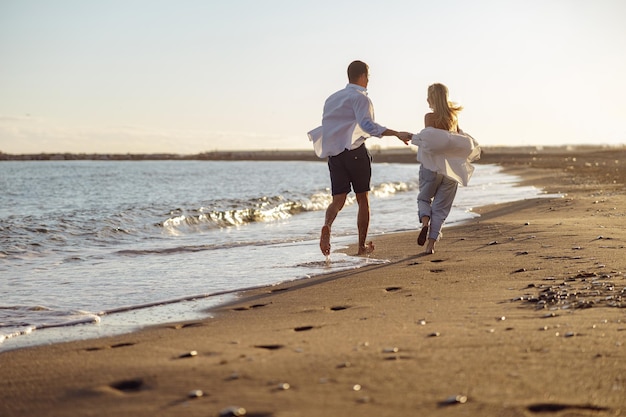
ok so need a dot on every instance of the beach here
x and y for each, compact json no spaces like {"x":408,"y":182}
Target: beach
{"x":520,"y":312}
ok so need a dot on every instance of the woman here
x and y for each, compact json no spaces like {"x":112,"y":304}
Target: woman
{"x":436,"y":190}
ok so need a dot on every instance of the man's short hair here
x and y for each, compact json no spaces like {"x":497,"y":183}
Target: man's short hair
{"x":356,"y":69}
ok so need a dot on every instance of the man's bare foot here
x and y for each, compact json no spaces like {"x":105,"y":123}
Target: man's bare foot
{"x":325,"y":240}
{"x":367,"y":249}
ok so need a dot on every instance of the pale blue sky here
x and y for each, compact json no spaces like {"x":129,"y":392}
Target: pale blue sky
{"x":190,"y":76}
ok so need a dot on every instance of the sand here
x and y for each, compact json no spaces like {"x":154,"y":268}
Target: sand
{"x":520,"y":312}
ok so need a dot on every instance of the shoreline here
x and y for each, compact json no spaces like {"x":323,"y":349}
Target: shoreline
{"x":128,"y":319}
{"x":419,"y":335}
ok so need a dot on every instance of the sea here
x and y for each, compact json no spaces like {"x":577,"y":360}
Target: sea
{"x":97,"y":248}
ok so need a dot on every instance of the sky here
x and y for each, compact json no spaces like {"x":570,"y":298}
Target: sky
{"x":192,"y":76}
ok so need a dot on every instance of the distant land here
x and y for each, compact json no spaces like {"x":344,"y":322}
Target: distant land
{"x":398,"y":155}
{"x":207,"y":156}
{"x":386,"y":155}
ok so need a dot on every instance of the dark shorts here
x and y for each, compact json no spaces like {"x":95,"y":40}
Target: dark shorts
{"x":350,"y":170}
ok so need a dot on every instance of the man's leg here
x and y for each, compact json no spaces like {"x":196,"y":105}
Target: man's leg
{"x":331,"y":214}
{"x":363,"y":222}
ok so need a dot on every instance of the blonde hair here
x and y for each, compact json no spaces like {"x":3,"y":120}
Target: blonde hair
{"x":444,"y":110}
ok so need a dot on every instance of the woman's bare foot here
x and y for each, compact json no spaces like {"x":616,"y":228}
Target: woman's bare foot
{"x":430,"y":247}
{"x":325,"y":240}
{"x":367,"y":249}
{"x":421,"y":239}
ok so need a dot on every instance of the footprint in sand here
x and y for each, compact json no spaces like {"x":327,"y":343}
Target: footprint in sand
{"x":244,"y":308}
{"x":555,"y":407}
{"x":122,"y":345}
{"x":129,"y":385}
{"x":397,"y":358}
{"x":437,"y":271}
{"x":303,"y":328}
{"x":118,"y":345}
{"x":179,"y":326}
{"x":269,"y":347}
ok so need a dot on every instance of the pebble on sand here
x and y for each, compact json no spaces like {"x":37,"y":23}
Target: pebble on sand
{"x":233,"y":412}
{"x":454,"y":399}
{"x":197,"y":393}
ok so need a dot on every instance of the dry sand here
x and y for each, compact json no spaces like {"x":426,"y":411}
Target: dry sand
{"x":519,"y":313}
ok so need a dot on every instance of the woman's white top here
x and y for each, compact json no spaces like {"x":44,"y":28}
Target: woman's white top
{"x":447,"y":153}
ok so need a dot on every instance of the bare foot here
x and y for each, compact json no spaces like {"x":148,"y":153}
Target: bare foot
{"x":421,"y":239}
{"x":367,"y":249}
{"x":325,"y":240}
{"x":430,"y":247}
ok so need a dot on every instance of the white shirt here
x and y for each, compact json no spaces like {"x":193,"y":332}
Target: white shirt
{"x":347,"y":121}
{"x":447,"y":153}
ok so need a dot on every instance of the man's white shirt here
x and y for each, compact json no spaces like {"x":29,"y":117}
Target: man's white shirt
{"x":348,"y":120}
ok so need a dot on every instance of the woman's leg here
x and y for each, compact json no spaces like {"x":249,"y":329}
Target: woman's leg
{"x":441,"y":206}
{"x":428,"y":183}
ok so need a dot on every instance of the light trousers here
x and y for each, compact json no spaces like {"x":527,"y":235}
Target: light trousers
{"x":435,"y":199}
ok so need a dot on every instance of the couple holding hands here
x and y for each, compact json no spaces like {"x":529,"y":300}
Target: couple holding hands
{"x":445,"y":153}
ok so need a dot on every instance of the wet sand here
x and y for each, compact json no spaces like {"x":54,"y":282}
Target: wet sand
{"x":521,"y":312}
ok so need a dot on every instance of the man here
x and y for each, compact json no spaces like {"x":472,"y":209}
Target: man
{"x":348,"y":120}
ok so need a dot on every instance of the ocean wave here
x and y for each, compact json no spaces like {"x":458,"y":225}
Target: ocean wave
{"x":31,"y":236}
{"x":22,"y":320}
{"x":388,"y":189}
{"x":182,"y":249}
{"x":265,"y":209}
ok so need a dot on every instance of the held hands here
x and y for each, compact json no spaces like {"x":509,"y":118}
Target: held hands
{"x":405,"y":137}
